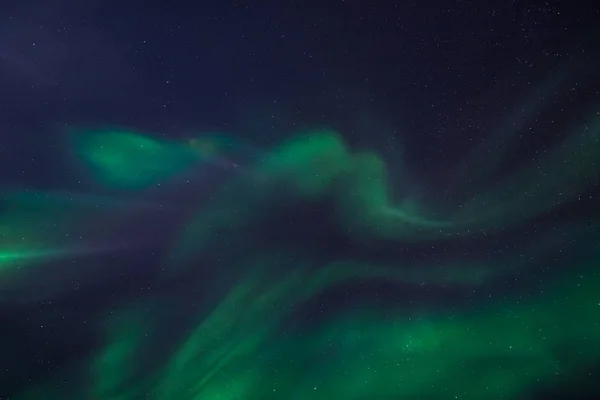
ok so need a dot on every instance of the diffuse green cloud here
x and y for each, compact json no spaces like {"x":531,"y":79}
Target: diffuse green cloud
{"x":237,"y":351}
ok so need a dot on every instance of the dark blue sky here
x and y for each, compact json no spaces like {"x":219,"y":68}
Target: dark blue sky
{"x":429,"y":74}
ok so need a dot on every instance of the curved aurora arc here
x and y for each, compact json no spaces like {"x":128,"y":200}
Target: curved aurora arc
{"x":240,"y":346}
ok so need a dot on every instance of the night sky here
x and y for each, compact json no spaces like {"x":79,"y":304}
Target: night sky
{"x":299,"y":200}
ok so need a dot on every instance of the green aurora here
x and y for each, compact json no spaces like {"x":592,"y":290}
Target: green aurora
{"x":240,"y":345}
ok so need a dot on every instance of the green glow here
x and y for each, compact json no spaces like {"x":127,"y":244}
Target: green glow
{"x":44,"y":233}
{"x":495,"y":350}
{"x":319,"y":164}
{"x":240,"y":344}
{"x":129,"y":160}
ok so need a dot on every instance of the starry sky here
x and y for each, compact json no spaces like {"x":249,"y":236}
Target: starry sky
{"x":453,"y":98}
{"x":444,"y":70}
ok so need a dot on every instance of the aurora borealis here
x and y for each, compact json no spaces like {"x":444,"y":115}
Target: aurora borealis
{"x":241,"y":339}
{"x":299,"y":200}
